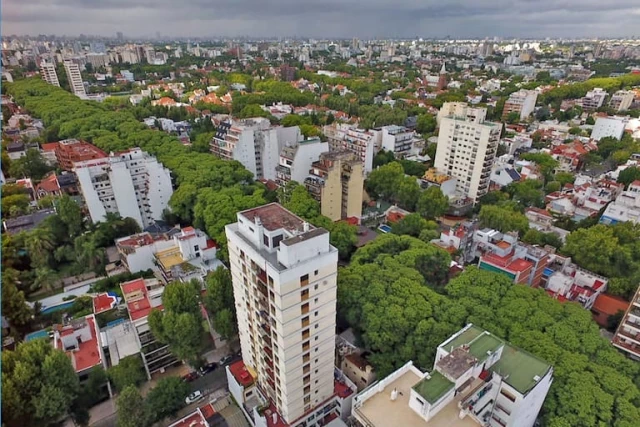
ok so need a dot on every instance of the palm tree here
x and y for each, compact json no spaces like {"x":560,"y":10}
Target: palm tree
{"x":46,"y":279}
{"x":40,"y":245}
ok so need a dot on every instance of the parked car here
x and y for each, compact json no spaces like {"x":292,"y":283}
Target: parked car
{"x":193,"y":397}
{"x":190,"y":376}
{"x":227,"y":359}
{"x":210,"y":367}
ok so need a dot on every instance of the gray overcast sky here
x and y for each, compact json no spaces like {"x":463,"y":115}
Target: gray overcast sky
{"x":324,"y":18}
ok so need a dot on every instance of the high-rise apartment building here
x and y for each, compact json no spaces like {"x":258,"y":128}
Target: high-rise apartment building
{"x":522,"y":102}
{"x":49,"y":74}
{"x":337,"y":182}
{"x":627,"y":337}
{"x":461,"y":109}
{"x":284,"y":274}
{"x":467,"y":146}
{"x":75,"y":78}
{"x":255,"y":143}
{"x":364,"y":143}
{"x":401,"y":141}
{"x":131,"y":183}
{"x":296,"y":160}
{"x":622,"y":100}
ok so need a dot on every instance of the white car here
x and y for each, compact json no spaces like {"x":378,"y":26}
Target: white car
{"x":193,"y":397}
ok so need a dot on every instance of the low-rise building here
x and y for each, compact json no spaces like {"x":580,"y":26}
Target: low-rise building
{"x":337,"y":182}
{"x":401,"y":141}
{"x":79,"y":339}
{"x":16,"y":150}
{"x":141,"y":296}
{"x":594,"y":99}
{"x":26,"y":222}
{"x":627,"y":336}
{"x":608,"y":127}
{"x":566,"y":281}
{"x":607,"y":306}
{"x":626,"y":206}
{"x":542,"y":220}
{"x":70,"y":151}
{"x":477,"y":379}
{"x":358,"y":370}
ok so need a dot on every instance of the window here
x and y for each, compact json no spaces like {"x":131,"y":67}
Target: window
{"x":276,"y":240}
{"x":265,"y":240}
{"x":304,"y":280}
{"x":305,"y":321}
{"x":306,"y":379}
{"x":304,"y":295}
{"x":315,"y":273}
{"x":305,"y":308}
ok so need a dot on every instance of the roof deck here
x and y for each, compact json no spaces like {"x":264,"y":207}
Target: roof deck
{"x":519,"y":368}
{"x":274,"y":217}
{"x":380,"y":411}
{"x":433,"y":387}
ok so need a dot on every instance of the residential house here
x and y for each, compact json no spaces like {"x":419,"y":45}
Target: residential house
{"x":626,"y":206}
{"x":566,"y":281}
{"x":79,"y":340}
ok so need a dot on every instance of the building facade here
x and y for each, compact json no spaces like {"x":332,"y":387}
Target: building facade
{"x":295,"y":161}
{"x":284,"y":274}
{"x":401,"y":141}
{"x":337,"y":182}
{"x":49,"y":74}
{"x":594,"y":99}
{"x":627,"y":337}
{"x":467,"y":147}
{"x":131,"y":183}
{"x":522,"y":102}
{"x":70,"y":151}
{"x":74,"y":78}
{"x":364,"y":143}
{"x":622,"y":100}
{"x":608,"y":126}
{"x":254,"y":143}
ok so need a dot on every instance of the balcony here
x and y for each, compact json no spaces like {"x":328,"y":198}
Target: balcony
{"x":306,"y":334}
{"x":268,"y":351}
{"x":304,"y":295}
{"x":305,"y":322}
{"x":304,"y":309}
{"x":630,"y":335}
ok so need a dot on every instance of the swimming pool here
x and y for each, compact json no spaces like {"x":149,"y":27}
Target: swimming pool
{"x":384,"y":228}
{"x":43,"y":333}
{"x":58,"y":307}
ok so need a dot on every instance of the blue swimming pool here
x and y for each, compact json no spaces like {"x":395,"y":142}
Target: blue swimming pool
{"x":37,"y":334}
{"x":384,"y":228}
{"x":59,"y":307}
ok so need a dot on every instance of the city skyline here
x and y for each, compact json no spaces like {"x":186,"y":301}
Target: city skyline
{"x":326,"y":18}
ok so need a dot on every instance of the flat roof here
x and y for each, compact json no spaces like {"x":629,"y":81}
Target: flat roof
{"x":484,"y":343}
{"x":138,"y":307}
{"x":169,"y":257}
{"x":380,"y":411}
{"x":432,"y":388}
{"x":464,"y":338}
{"x":104,"y":302}
{"x":518,"y":368}
{"x":274,"y":217}
{"x":241,"y":373}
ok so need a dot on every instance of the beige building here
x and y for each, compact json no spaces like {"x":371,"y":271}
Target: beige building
{"x":284,"y":274}
{"x":467,"y":147}
{"x":622,"y":100}
{"x":358,"y":370}
{"x":337,"y":182}
{"x":75,"y":78}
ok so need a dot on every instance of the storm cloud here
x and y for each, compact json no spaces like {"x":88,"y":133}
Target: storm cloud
{"x":324,"y":18}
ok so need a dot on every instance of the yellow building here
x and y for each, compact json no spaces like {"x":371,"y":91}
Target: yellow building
{"x":337,"y":182}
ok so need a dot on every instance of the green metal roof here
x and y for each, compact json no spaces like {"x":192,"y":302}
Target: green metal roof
{"x":434,"y":388}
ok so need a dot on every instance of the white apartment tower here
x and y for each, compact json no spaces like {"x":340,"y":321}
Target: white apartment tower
{"x":467,"y":146}
{"x":522,"y":102}
{"x":284,"y":275}
{"x":48,"y":73}
{"x":254,"y":143}
{"x":131,"y":183}
{"x":75,"y":78}
{"x":295,"y":161}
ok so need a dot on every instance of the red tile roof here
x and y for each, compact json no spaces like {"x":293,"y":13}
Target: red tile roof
{"x":194,"y":419}
{"x":49,"y":184}
{"x":515,"y":266}
{"x":104,"y":302}
{"x":88,"y":353}
{"x":139,"y":308}
{"x":241,"y":374}
{"x":609,"y":305}
{"x":49,"y":146}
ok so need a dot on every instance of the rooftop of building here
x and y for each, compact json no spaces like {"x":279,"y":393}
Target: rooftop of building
{"x":87,"y":353}
{"x":194,"y":419}
{"x":380,"y":411}
{"x":507,"y":262}
{"x":274,"y":217}
{"x":357,"y":360}
{"x":169,"y":258}
{"x":241,"y":373}
{"x":27,"y":222}
{"x":137,"y":240}
{"x":433,"y":387}
{"x":104,"y":302}
{"x":136,"y":296}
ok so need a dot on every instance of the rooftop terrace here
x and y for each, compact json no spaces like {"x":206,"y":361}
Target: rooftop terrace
{"x":432,"y":388}
{"x":274,"y":217}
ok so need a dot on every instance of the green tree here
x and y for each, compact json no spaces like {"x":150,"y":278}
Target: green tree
{"x":411,"y":225}
{"x":167,"y":398}
{"x":595,"y":248}
{"x":15,"y":205}
{"x":384,"y":181}
{"x":590,"y":120}
{"x":32,"y":165}
{"x":40,"y":244}
{"x":426,"y":123}
{"x":201,"y":142}
{"x":219,"y":293}
{"x":128,"y":372}
{"x":39,"y":384}
{"x":225,"y":323}
{"x":70,"y":214}
{"x":627,"y":175}
{"x":302,"y":204}
{"x":14,"y":305}
{"x":503,"y":218}
{"x":527,"y":193}
{"x":545,"y":161}
{"x":564,"y":178}
{"x":132,"y":409}
{"x":432,"y":203}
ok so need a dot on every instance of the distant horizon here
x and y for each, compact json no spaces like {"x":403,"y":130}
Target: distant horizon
{"x":333,"y":19}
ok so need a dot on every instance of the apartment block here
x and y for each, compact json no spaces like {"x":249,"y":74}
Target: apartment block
{"x":284,"y":274}
{"x":70,"y":151}
{"x":467,"y":147}
{"x":255,"y":143}
{"x":131,"y":183}
{"x":462,"y":110}
{"x":49,"y":74}
{"x":337,"y":182}
{"x":401,"y":141}
{"x":364,"y":143}
{"x":141,"y":296}
{"x":522,"y":102}
{"x":74,"y":78}
{"x":627,"y":337}
{"x":296,"y":160}
{"x":622,"y":100}
{"x":608,"y":126}
{"x":594,"y":99}
{"x":477,"y":379}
